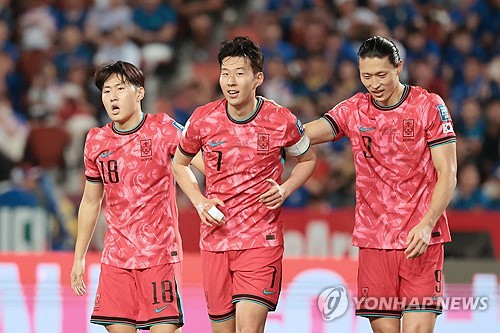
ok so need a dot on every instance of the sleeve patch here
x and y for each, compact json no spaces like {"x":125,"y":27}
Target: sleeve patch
{"x":300,"y":127}
{"x":178,"y":126}
{"x":300,"y":147}
{"x":443,"y":113}
{"x":447,"y":128}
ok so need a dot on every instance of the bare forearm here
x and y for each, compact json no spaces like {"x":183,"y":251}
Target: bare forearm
{"x":188,"y":183}
{"x":299,"y":175}
{"x":440,"y":197}
{"x":87,"y":221}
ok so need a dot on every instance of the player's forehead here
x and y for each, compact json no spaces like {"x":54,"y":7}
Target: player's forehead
{"x":374,"y":65}
{"x":115,"y":80}
{"x":234,"y":63}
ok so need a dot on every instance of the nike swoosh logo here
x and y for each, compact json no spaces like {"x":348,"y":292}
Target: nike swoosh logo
{"x":158,"y":310}
{"x":103,"y":155}
{"x":267,"y":292}
{"x":215,"y":144}
{"x":436,"y":298}
{"x":366,"y":129}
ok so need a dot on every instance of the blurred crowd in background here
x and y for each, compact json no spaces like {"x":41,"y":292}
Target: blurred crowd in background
{"x":50,"y":48}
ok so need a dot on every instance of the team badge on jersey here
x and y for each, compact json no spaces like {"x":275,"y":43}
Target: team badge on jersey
{"x":408,"y":128}
{"x":443,"y":112}
{"x":447,"y":128}
{"x":300,"y":127}
{"x":262,"y":142}
{"x":146,"y":149}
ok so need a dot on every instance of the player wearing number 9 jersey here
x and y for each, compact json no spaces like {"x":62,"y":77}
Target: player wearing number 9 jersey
{"x":243,"y":138}
{"x":404,"y":150}
{"x":128,"y":161}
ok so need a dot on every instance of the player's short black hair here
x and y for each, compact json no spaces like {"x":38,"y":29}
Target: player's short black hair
{"x":242,"y":46}
{"x":379,"y":47}
{"x":126,"y":72}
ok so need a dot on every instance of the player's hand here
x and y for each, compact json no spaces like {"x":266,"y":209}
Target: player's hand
{"x":77,"y":283}
{"x":418,"y":240}
{"x":203,"y":208}
{"x":274,"y":197}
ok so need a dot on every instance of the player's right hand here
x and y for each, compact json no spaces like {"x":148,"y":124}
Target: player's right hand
{"x":204,"y":206}
{"x":77,"y":283}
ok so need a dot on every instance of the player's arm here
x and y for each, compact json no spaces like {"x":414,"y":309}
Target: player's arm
{"x":88,"y":213}
{"x":197,"y":162}
{"x":444,"y":159}
{"x":189,"y":185}
{"x":319,"y":131}
{"x":277,"y":194}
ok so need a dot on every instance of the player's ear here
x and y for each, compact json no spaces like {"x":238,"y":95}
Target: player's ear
{"x":400,"y":67}
{"x":140,"y":93}
{"x":259,"y":79}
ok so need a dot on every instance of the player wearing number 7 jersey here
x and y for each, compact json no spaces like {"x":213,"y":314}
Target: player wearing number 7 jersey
{"x":129,"y":162}
{"x":243,"y":139}
{"x":404,"y":150}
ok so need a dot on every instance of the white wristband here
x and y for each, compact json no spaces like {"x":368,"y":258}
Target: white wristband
{"x":216,"y":213}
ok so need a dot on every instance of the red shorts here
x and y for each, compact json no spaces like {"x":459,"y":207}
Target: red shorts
{"x":241,"y":275}
{"x":139,"y":297}
{"x":389,"y":284}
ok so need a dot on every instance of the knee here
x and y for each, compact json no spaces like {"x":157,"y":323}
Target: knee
{"x":385,"y":325}
{"x":250,"y":328}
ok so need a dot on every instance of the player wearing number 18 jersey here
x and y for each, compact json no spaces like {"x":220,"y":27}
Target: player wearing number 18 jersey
{"x":404,"y":150}
{"x":243,"y":139}
{"x":129,"y":162}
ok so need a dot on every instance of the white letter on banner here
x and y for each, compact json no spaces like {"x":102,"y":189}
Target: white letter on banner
{"x":48,"y":300}
{"x":13,"y":309}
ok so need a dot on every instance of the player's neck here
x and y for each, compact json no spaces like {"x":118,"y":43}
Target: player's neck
{"x":129,"y":124}
{"x":396,"y":96}
{"x":244,"y":112}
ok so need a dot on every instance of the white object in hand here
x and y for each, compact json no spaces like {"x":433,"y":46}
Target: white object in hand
{"x":216,"y":213}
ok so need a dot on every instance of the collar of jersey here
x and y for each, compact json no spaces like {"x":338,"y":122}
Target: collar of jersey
{"x":251,"y":117}
{"x":405,"y":94}
{"x":132,"y":130}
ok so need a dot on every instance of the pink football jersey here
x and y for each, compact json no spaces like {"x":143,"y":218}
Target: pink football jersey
{"x":239,"y":156}
{"x":395,"y":176}
{"x":136,"y":169}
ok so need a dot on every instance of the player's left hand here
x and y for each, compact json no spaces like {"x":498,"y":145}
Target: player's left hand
{"x":274,"y":197}
{"x":418,"y":240}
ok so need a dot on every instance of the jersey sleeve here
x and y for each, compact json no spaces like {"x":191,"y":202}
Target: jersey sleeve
{"x":92,"y":173}
{"x":440,"y":125}
{"x":296,"y":142}
{"x":190,"y":142}
{"x":336,"y":118}
{"x":175,"y":130}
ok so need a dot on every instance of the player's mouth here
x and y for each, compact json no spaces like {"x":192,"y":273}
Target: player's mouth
{"x":115,"y":109}
{"x":377,"y":93}
{"x":232,"y":93}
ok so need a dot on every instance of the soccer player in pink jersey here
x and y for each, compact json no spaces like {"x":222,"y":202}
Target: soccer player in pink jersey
{"x":404,"y":151}
{"x":243,"y":138}
{"x":129,"y":162}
